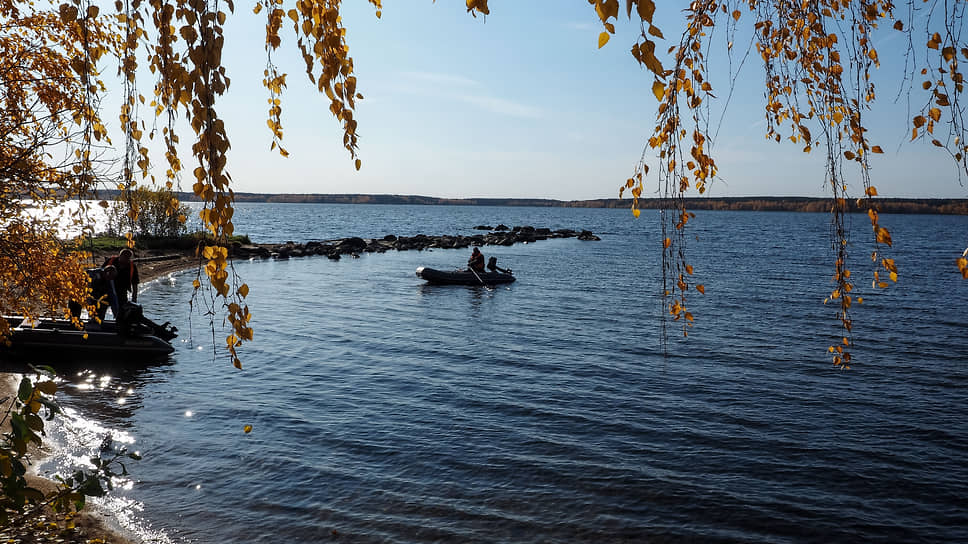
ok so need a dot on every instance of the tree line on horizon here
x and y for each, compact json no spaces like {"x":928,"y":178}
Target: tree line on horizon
{"x":943,"y":206}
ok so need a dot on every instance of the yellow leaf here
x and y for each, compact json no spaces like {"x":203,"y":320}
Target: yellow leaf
{"x":871,"y":191}
{"x":701,"y":288}
{"x":48,"y":387}
{"x":646,"y":10}
{"x":876,"y":149}
{"x":666,"y":243}
{"x":602,"y":39}
{"x":244,"y":290}
{"x":883,"y":236}
{"x":636,"y":212}
{"x":247,"y":429}
{"x":658,"y":89}
{"x":894,"y":277}
{"x":479,"y":5}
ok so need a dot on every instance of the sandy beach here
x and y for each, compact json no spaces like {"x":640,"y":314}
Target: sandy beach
{"x":91,"y":525}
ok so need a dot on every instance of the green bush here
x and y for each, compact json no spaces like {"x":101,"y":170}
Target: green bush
{"x":158,"y":214}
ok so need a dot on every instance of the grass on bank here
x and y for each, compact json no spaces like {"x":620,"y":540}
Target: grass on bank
{"x":192,"y":240}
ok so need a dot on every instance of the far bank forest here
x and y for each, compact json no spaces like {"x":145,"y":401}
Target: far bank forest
{"x":946,"y":206}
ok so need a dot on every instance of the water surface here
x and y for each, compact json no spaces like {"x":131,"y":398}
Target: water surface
{"x":386,"y":410}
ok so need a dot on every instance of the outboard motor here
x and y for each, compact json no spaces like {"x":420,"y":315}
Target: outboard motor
{"x":133,"y":321}
{"x":131,"y":313}
{"x":492,"y":266}
{"x":166,"y":331}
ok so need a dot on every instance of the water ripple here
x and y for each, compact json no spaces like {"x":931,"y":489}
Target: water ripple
{"x":385,"y":410}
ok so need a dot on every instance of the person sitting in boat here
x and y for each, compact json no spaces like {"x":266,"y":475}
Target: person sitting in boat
{"x":476,"y":262}
{"x":102,"y":294}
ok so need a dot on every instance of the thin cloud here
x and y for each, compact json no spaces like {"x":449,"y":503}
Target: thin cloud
{"x":441,"y":79}
{"x":581,"y":26}
{"x":463,"y":89}
{"x":501,"y":106}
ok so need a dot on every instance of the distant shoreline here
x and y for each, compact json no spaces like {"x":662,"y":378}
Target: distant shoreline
{"x":946,"y":206}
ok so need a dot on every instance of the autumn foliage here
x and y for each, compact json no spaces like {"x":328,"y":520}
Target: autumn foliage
{"x":817,"y":58}
{"x":50,"y":139}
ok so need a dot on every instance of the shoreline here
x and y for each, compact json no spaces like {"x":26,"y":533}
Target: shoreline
{"x":93,"y":522}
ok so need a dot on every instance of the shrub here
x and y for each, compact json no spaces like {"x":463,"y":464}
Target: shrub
{"x":156,"y":214}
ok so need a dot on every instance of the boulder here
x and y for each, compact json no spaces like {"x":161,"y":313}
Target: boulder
{"x":351,"y":245}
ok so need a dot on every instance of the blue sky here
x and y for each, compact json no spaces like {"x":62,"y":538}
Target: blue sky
{"x":522,"y":104}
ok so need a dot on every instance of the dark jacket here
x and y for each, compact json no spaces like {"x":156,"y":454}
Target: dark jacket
{"x":127,"y":276}
{"x":101,"y":286}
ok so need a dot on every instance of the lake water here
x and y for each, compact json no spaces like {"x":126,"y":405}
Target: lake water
{"x":386,"y":410}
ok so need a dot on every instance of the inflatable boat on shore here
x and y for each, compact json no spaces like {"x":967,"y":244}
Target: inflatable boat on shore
{"x":462,"y":277}
{"x":60,"y":338}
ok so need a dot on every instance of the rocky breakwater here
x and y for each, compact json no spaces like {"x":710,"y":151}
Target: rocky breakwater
{"x":335,"y":249}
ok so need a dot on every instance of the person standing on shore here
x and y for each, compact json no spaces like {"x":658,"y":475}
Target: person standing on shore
{"x":127,"y":279}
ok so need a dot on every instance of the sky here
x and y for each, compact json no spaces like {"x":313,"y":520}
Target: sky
{"x":520,"y":104}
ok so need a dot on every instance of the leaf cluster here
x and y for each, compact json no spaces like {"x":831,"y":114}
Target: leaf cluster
{"x":818,"y":58}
